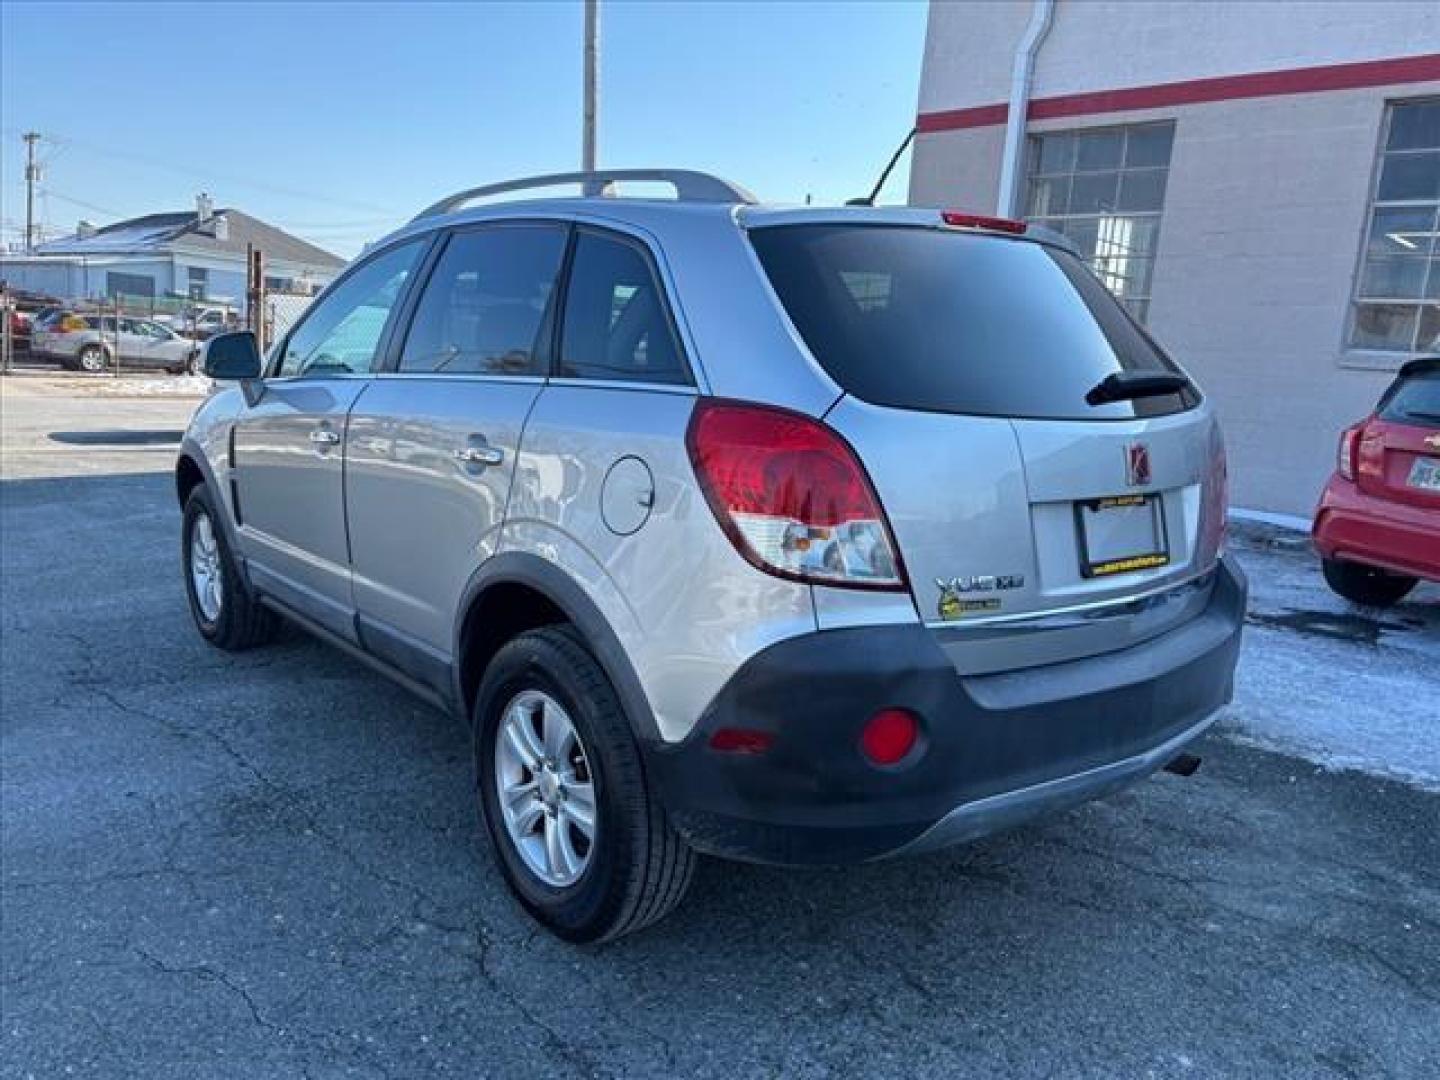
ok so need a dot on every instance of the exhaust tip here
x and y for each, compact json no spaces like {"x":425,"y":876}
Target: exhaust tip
{"x":1183,"y":764}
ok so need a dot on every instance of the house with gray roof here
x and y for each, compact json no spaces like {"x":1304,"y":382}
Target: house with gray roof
{"x":195,"y":254}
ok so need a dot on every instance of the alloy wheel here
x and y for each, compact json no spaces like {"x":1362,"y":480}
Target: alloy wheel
{"x":205,"y":576}
{"x":545,"y":788}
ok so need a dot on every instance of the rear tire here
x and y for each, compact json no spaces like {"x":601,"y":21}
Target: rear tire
{"x":636,"y":868}
{"x":1368,"y":585}
{"x":92,"y":358}
{"x":227,"y":615}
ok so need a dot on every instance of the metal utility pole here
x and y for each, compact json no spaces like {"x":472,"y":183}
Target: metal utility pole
{"x":592,"y":79}
{"x":32,"y":177}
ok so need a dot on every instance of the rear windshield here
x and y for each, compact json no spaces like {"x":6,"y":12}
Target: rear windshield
{"x":941,"y":321}
{"x":1414,"y":399}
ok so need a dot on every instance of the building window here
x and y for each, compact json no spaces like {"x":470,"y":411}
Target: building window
{"x":1397,"y":292}
{"x":199,"y":281}
{"x":1104,"y":189}
{"x":118,"y":283}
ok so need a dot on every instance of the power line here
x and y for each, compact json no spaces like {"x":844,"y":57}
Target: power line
{"x":212,"y":177}
{"x":258,"y":185}
{"x":50,"y":192}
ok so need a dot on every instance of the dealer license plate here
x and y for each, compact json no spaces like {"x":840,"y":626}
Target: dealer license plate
{"x":1121,"y":534}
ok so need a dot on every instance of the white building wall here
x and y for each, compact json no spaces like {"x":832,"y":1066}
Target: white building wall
{"x":1111,"y":44}
{"x":1265,"y":206}
{"x":72,"y":277}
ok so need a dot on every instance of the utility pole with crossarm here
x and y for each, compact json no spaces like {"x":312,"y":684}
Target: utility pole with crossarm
{"x":32,"y":177}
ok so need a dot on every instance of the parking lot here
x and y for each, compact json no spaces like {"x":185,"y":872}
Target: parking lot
{"x":269,"y":865}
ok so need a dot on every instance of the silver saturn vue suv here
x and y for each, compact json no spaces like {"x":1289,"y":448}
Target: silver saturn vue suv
{"x":790,"y":535}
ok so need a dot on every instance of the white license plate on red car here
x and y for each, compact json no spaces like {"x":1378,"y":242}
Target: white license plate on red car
{"x":1121,"y":534}
{"x":1425,"y":474}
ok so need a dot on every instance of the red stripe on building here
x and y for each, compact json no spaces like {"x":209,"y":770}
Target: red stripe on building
{"x":954,"y":119}
{"x":1404,"y":69}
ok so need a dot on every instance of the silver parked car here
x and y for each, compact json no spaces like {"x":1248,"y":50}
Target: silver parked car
{"x":91,"y":343}
{"x":791,"y":535}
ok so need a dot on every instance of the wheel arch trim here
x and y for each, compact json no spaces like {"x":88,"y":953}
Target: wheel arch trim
{"x":534,"y":572}
{"x":191,"y":451}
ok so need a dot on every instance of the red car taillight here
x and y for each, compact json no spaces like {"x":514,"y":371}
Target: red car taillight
{"x":961,"y":219}
{"x":792,"y":496}
{"x":1345,"y":453}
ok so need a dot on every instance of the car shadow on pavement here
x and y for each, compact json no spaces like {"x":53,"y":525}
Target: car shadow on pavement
{"x":119,"y":437}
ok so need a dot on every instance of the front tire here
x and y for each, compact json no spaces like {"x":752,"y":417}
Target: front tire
{"x":581,"y":838}
{"x":225,"y":612}
{"x":92,"y":358}
{"x":1368,"y":585}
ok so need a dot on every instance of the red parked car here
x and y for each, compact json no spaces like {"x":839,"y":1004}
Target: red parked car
{"x":1377,"y":527}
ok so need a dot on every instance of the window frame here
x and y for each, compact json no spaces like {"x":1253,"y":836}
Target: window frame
{"x":667,"y":307}
{"x":276,"y":356}
{"x":1369,"y":356}
{"x":546,"y":336}
{"x":1031,"y":172}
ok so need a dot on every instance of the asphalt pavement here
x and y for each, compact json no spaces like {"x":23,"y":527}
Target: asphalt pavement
{"x":269,"y":865}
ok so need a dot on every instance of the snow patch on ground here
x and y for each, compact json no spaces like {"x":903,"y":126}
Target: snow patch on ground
{"x":1339,"y":685}
{"x":173,"y":385}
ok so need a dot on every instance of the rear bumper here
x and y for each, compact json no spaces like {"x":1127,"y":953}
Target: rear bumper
{"x":1363,"y":528}
{"x":996,"y":748}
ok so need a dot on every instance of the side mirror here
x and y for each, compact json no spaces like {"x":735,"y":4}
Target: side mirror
{"x":232,"y":356}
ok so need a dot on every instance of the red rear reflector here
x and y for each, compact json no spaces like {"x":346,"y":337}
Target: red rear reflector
{"x":734,"y":740}
{"x":889,"y":736}
{"x":980,"y":221}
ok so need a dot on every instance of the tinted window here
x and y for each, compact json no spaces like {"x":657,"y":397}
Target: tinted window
{"x":921,"y":318}
{"x":1414,"y":399}
{"x":616,"y":322}
{"x":483,"y":307}
{"x":341,"y":334}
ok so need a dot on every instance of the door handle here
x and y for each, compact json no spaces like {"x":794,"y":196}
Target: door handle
{"x":480,"y":455}
{"x":324,"y":437}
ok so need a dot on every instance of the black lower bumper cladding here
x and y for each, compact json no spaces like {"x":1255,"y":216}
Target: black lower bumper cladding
{"x":1017,"y":742}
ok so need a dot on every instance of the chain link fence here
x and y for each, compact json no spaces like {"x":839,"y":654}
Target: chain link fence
{"x":282,"y":311}
{"x":198,"y":319}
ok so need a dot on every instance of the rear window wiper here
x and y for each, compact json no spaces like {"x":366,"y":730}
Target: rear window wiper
{"x":1421,"y":414}
{"x":1127,"y":385}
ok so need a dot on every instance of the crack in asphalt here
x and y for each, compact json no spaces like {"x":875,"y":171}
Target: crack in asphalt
{"x":210,"y":974}
{"x":578,"y":1059}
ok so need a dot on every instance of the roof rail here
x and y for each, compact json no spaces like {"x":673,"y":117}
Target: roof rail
{"x":690,"y":186}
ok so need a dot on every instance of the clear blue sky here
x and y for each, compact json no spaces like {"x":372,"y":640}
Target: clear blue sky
{"x":338,"y":121}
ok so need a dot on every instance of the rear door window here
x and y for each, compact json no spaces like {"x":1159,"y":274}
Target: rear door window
{"x":942,"y":321}
{"x":617,"y":326}
{"x":485,"y":303}
{"x":1414,"y":399}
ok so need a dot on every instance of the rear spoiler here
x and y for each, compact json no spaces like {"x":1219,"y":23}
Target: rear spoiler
{"x":1421,"y":365}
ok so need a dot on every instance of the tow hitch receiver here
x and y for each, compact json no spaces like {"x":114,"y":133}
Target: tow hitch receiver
{"x":1183,"y":764}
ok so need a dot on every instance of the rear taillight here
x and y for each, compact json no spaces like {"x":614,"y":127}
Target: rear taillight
{"x":1345,"y":452}
{"x":792,"y":496}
